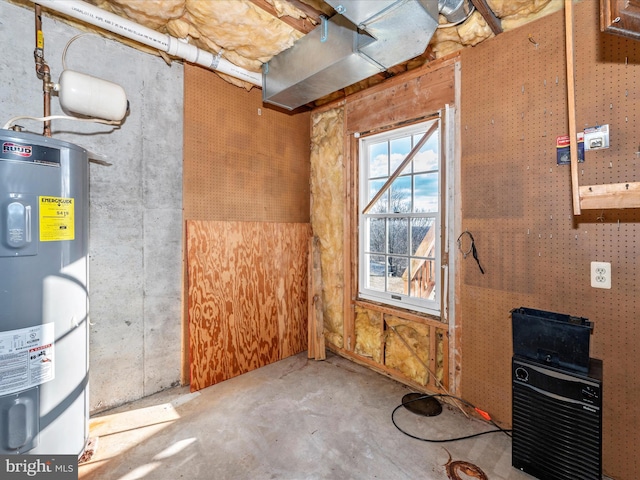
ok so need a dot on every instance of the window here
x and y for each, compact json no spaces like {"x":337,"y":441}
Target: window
{"x":400,"y":211}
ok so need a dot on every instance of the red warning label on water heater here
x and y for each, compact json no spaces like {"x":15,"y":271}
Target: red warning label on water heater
{"x":16,"y":149}
{"x":24,"y":152}
{"x":26,"y":358}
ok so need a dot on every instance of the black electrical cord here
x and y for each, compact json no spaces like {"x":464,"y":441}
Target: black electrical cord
{"x":455,"y":439}
{"x":472,"y":249}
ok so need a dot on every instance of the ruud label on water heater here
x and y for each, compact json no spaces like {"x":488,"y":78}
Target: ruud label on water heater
{"x":30,"y":153}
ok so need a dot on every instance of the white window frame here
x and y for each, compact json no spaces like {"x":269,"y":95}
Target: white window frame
{"x":429,"y":306}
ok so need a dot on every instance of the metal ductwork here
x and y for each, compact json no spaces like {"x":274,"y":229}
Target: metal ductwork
{"x":364,"y":38}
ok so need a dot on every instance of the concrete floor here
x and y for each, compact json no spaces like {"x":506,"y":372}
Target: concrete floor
{"x":295,"y":419}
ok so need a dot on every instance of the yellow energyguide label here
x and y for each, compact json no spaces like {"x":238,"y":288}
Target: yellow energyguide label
{"x":56,"y":219}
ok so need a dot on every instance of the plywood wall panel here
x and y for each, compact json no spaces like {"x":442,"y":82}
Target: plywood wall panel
{"x":535,"y":252}
{"x":247,"y":296}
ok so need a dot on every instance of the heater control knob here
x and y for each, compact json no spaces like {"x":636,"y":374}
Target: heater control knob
{"x":522,"y":374}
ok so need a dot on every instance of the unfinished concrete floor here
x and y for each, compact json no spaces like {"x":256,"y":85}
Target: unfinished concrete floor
{"x":295,"y":419}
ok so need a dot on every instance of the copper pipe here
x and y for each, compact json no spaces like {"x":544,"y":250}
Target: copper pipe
{"x":46,"y":97}
{"x":42,"y":71}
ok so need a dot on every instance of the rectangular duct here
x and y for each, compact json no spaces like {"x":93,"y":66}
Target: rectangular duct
{"x":368,"y":37}
{"x":321,"y":62}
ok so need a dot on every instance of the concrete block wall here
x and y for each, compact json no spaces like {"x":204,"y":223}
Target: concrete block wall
{"x":136,"y":204}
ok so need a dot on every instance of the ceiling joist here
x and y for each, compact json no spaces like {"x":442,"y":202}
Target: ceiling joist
{"x":488,"y":15}
{"x":304,"y":25}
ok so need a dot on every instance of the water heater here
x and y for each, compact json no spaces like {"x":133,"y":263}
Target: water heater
{"x":44,"y":227}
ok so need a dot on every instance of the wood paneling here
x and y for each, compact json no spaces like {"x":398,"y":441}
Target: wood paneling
{"x":243,"y":161}
{"x":516,"y":202}
{"x":404,"y":98}
{"x":247,"y":296}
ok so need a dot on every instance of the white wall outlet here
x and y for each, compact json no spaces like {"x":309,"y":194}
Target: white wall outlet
{"x":601,"y":274}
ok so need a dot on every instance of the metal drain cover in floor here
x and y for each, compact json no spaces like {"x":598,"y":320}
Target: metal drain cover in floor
{"x":426,"y":406}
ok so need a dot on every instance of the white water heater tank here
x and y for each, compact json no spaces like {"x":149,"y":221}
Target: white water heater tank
{"x":44,"y":333}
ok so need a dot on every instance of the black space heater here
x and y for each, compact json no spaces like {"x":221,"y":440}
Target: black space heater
{"x":557,"y":397}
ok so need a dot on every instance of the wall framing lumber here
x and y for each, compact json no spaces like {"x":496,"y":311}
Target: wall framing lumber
{"x":401,"y":100}
{"x":377,"y":367}
{"x":405,"y":98}
{"x":405,"y":314}
{"x":488,"y":15}
{"x":571,"y":103}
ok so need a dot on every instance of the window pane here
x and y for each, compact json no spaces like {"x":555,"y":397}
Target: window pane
{"x":397,"y":268}
{"x":422,"y":279}
{"x":376,"y":235}
{"x":425,"y":193}
{"x":377,"y":273}
{"x":401,"y":195}
{"x":400,"y":148}
{"x":378,"y":160}
{"x":423,"y":242}
{"x":399,"y":236}
{"x":382,"y":205}
{"x":426,"y":160}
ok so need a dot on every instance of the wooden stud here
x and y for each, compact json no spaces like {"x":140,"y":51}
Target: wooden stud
{"x":488,"y":15}
{"x":437,"y":382}
{"x":571,"y":102}
{"x":303,"y":25}
{"x":311,"y":344}
{"x":445,"y":358}
{"x":433,"y":355}
{"x":405,"y":315}
{"x":317,"y":323}
{"x":349,"y":161}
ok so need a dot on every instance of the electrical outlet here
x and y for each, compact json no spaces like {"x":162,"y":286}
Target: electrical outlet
{"x":601,"y":274}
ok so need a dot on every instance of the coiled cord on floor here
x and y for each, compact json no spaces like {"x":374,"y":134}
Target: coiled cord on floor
{"x":455,"y":439}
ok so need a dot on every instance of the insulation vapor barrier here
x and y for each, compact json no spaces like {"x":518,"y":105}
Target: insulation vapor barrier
{"x":327,"y":210}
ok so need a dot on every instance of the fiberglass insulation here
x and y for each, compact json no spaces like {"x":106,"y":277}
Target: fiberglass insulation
{"x":327,"y":214}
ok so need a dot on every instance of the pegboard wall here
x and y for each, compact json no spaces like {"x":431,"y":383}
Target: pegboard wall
{"x":243,"y":160}
{"x":516,"y":201}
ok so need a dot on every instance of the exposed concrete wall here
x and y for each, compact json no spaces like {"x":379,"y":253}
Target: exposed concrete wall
{"x":136,"y":204}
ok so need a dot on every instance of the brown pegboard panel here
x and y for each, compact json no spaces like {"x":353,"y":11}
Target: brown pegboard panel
{"x":607,"y":92}
{"x":243,"y":160}
{"x":516,"y":201}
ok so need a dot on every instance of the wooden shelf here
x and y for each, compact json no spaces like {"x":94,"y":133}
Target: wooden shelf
{"x":612,"y":195}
